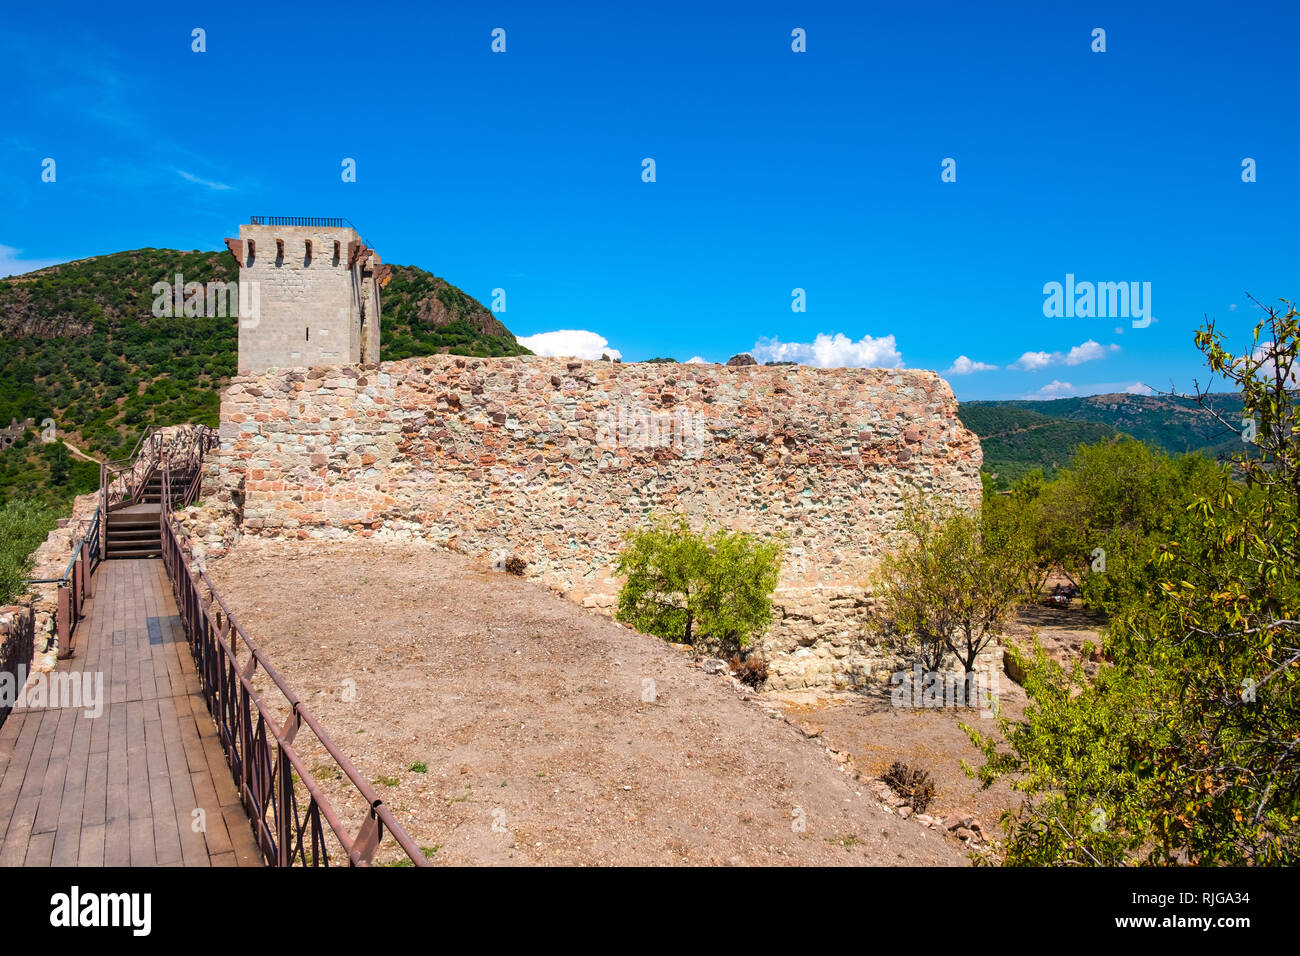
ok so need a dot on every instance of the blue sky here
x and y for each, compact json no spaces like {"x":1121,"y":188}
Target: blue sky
{"x":775,"y":170}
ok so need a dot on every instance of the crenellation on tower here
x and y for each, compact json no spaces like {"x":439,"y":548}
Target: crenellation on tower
{"x":313,"y":297}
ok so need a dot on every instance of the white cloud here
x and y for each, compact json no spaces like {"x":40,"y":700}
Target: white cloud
{"x":570,"y":343}
{"x":1032,"y":361}
{"x":12,"y":265}
{"x":202,"y":182}
{"x":832,"y":351}
{"x":1059,"y":389}
{"x":964,"y":366}
{"x":696,"y":361}
{"x":1089,"y":351}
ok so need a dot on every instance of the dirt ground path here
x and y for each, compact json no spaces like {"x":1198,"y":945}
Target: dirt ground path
{"x":506,"y":725}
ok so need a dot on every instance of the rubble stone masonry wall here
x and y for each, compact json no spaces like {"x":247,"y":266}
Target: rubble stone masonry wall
{"x":554,"y":460}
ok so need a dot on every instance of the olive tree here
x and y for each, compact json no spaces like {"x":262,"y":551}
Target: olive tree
{"x":951,"y":587}
{"x":697,"y":588}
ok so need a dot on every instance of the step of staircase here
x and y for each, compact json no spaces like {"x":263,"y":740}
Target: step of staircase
{"x":133,"y":521}
{"x":141,"y":552}
{"x":132,"y":533}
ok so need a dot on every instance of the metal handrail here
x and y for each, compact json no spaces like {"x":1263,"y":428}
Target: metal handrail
{"x":92,"y":537}
{"x":244,"y":722}
{"x":74,"y":586}
{"x":316,"y":222}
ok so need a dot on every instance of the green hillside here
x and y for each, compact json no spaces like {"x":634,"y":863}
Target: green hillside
{"x":79,"y":344}
{"x":1018,"y":436}
{"x":1177,"y":425}
{"x":1017,"y":440}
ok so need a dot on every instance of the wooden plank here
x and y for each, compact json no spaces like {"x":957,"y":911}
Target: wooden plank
{"x":140,"y":840}
{"x":193,"y":844}
{"x":67,"y":836}
{"x":28,"y":802}
{"x":216,"y":837}
{"x":137,"y":764}
{"x":247,"y":851}
{"x":166,"y":826}
{"x":39,"y":849}
{"x":227,"y":791}
{"x":52,"y":785}
{"x":24,"y":726}
{"x":94,"y":808}
{"x":91,"y":851}
{"x":195,"y":754}
{"x":117,"y":844}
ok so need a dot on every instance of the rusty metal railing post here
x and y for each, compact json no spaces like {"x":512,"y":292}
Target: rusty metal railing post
{"x":63,"y":622}
{"x":86,"y":575}
{"x":78,"y":584}
{"x":284,"y":800}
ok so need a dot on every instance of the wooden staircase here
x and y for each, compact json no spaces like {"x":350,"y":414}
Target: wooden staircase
{"x":131,"y":495}
{"x":134,"y":531}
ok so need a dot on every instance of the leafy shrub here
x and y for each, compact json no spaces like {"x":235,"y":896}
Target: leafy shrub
{"x":697,"y":588}
{"x":950,"y":588}
{"x":1182,"y":747}
{"x":914,"y":786}
{"x":1119,"y":498}
{"x":23,"y":526}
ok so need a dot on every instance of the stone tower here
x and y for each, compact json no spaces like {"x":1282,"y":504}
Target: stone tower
{"x":309,"y":293}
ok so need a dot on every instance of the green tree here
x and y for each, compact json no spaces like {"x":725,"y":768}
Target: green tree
{"x":1106,"y":511}
{"x":697,"y":588}
{"x":1184,"y":749}
{"x":951,"y":588}
{"x":57,"y":458}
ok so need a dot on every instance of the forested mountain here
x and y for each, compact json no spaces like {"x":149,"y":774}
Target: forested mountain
{"x":1021,"y":435}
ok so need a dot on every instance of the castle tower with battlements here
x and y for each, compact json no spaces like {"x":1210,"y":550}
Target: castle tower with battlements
{"x":309,"y":293}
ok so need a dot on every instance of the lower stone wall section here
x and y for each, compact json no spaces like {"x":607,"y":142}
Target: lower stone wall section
{"x":554,"y":461}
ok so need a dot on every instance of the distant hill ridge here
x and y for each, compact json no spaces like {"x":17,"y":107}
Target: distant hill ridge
{"x":1020,"y":435}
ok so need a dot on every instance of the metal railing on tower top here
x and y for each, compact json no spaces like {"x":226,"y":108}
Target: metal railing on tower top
{"x":315,"y":222}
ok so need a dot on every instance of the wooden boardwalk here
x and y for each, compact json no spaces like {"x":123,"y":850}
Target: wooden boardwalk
{"x":122,"y":788}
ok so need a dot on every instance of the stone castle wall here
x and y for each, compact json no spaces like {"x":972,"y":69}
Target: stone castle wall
{"x":555,"y":460}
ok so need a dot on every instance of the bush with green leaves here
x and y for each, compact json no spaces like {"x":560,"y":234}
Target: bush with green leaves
{"x":709,"y":589}
{"x":23,"y":526}
{"x":950,"y":587}
{"x":1114,"y":504}
{"x":1182,"y":749}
